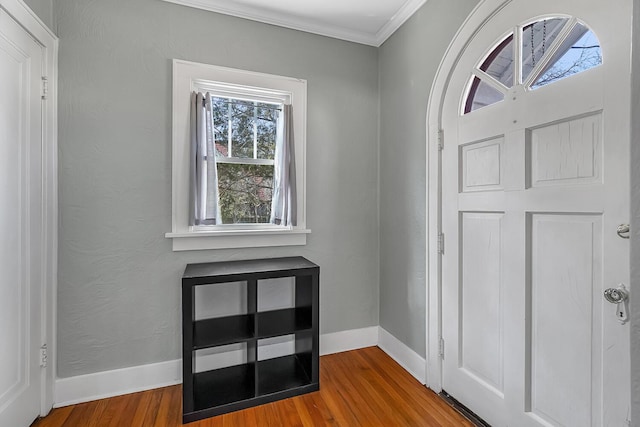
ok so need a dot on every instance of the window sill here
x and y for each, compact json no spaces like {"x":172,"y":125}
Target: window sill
{"x":233,"y":239}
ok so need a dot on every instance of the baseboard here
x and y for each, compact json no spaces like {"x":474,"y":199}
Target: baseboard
{"x":84,"y":388}
{"x":411,"y":361}
{"x":353,"y":339}
{"x":100,"y":385}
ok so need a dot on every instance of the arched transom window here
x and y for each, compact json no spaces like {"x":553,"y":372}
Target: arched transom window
{"x":547,"y":50}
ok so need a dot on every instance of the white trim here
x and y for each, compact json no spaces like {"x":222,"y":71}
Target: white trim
{"x":245,"y":161}
{"x":307,"y":25}
{"x":411,"y":361}
{"x":400,"y":17}
{"x":45,"y":37}
{"x":189,"y":76}
{"x":50,"y":188}
{"x":234,"y":239}
{"x":100,"y":385}
{"x":84,"y":388}
{"x":478,"y":17}
{"x":488,"y":79}
{"x":353,"y":339}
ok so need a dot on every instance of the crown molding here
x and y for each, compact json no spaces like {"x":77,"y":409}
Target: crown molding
{"x":308,"y":25}
{"x":401,"y":16}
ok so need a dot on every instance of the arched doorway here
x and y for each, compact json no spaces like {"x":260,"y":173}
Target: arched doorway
{"x":532,"y":106}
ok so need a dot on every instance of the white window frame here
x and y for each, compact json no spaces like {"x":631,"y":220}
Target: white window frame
{"x":191,"y":76}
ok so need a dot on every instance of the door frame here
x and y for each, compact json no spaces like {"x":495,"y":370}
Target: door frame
{"x":634,"y":284}
{"x":477,"y":19}
{"x":23,"y":15}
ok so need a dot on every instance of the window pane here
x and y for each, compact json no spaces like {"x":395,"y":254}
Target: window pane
{"x":580,"y":52}
{"x":221,"y":125}
{"x":536,"y":39}
{"x":267,"y":128}
{"x":481,"y":94}
{"x":242,"y":120}
{"x":499,"y":63}
{"x":245,"y":193}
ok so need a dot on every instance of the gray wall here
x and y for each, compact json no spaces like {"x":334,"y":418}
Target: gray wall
{"x":44,"y":10}
{"x":119,"y":281}
{"x":407,"y":65}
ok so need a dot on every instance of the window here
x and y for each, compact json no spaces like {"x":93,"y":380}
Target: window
{"x":245,"y":134}
{"x":245,"y":145}
{"x":550,"y":50}
{"x":245,"y":111}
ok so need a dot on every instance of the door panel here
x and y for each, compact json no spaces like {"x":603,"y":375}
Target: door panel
{"x":481,"y":325}
{"x":481,"y":165}
{"x":567,"y":152}
{"x":566,"y":274}
{"x":11,"y":245}
{"x":20,"y":223}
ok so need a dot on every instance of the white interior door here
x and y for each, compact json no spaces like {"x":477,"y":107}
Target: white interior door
{"x":21,"y":242}
{"x":534,"y":185}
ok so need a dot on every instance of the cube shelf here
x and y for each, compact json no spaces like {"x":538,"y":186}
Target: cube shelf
{"x":210,"y":393}
{"x":222,"y":331}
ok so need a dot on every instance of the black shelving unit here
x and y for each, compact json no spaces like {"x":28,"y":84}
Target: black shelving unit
{"x":210,"y":393}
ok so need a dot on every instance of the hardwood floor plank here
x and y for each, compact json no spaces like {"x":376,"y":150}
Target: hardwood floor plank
{"x":363,"y":387}
{"x":154,"y":407}
{"x":377,"y":395}
{"x":141,"y":411}
{"x":303,"y":411}
{"x":250,"y":418}
{"x":403,"y":407}
{"x":112,"y":412}
{"x":56,"y":417}
{"x":81,"y":414}
{"x":410,"y":390}
{"x":170,"y":411}
{"x":123,"y":414}
{"x":334,"y":401}
{"x":288,"y":415}
{"x":272,"y":414}
{"x":96,"y":417}
{"x":317,"y":408}
{"x":175,"y":412}
{"x":363,"y":409}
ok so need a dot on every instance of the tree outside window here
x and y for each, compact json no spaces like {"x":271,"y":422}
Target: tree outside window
{"x":245,"y":138}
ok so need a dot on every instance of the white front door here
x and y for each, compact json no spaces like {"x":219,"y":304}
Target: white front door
{"x":21,"y":242}
{"x":535,"y":181}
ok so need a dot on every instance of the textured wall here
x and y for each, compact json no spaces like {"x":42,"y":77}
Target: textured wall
{"x":407,"y":65}
{"x":44,"y":10}
{"x":119,"y":281}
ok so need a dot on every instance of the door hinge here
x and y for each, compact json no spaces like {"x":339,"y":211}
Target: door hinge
{"x":45,"y":88}
{"x":440,"y":139}
{"x":43,"y":356}
{"x":441,"y":243}
{"x":441,"y":348}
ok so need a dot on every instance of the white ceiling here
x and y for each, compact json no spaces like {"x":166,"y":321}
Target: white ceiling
{"x":368,"y":22}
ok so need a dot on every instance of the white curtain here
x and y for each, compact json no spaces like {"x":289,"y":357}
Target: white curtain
{"x":283,"y":203}
{"x":204,"y":205}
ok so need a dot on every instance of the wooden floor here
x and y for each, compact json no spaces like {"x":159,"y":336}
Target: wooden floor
{"x":357,"y":388}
